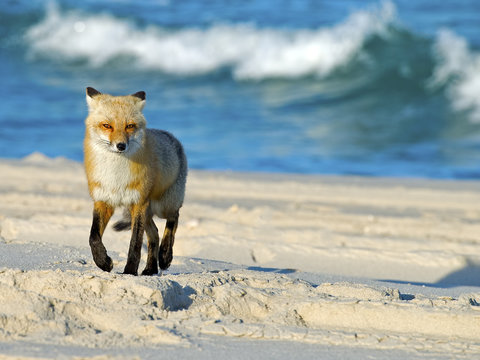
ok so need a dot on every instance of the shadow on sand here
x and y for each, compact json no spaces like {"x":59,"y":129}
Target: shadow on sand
{"x":467,"y":276}
{"x":273,"y":270}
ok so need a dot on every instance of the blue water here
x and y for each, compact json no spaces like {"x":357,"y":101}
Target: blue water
{"x":336,"y":87}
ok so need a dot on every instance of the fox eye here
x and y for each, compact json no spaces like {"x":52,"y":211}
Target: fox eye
{"x":107,"y":126}
{"x":130,"y":126}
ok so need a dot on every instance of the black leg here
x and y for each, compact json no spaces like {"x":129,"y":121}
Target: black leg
{"x":101,"y":215}
{"x":165,"y":255}
{"x":153,"y":241}
{"x":135,"y":249}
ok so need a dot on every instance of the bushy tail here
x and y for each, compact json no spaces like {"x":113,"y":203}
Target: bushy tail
{"x":122,"y":225}
{"x":125,"y":223}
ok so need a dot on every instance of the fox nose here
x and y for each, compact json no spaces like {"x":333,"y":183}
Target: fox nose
{"x":121,"y":146}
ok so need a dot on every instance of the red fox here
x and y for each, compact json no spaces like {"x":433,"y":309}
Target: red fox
{"x":143,"y":170}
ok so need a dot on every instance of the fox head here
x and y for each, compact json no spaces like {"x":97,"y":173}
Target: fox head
{"x":116,"y":123}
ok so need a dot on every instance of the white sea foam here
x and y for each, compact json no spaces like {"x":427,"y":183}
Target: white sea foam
{"x":251,"y":52}
{"x":459,"y":67}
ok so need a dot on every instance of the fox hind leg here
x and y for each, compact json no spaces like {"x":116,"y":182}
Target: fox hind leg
{"x":165,"y":255}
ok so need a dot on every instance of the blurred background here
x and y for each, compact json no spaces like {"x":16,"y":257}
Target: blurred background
{"x":377,"y":88}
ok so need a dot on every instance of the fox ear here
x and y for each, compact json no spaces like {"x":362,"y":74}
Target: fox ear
{"x":91,"y":93}
{"x":140,"y":95}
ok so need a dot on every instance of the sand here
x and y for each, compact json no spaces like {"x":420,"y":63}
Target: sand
{"x":265,"y":265}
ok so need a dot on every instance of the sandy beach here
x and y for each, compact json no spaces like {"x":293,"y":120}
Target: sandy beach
{"x":265,"y":265}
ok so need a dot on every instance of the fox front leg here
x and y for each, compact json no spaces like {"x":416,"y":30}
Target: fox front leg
{"x":101,"y":215}
{"x":138,"y":226}
{"x":153,"y":244}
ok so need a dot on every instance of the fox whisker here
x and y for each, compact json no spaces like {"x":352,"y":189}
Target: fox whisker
{"x":103,"y":141}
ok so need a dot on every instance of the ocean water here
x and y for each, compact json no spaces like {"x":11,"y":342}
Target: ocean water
{"x":376,"y":88}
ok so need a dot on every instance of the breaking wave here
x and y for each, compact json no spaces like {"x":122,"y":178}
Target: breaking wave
{"x":250,"y":52}
{"x":458,"y":67}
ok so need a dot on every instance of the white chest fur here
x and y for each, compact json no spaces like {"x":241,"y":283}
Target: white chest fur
{"x":113,"y":173}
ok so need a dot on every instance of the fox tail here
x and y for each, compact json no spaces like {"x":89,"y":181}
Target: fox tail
{"x":125,"y":223}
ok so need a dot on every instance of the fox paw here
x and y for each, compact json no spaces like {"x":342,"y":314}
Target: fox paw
{"x":149,"y":271}
{"x":106,"y":264}
{"x":165,"y":259}
{"x":130,"y":270}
